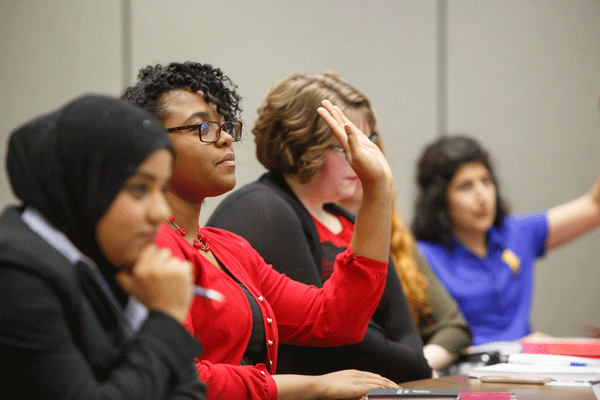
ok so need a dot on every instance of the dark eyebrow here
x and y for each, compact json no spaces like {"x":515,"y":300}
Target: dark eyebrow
{"x":200,"y":115}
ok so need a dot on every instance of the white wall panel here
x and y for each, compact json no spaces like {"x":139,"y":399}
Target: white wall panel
{"x":51,"y":52}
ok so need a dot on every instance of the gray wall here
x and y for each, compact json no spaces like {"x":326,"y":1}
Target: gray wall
{"x":522,"y":76}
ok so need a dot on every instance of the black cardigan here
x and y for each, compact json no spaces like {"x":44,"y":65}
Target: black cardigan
{"x":269,"y":215}
{"x":60,"y":336}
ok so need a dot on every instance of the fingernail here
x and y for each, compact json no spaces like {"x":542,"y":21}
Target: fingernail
{"x":347,"y":128}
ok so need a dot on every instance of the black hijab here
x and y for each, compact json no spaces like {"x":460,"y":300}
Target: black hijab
{"x":70,"y":164}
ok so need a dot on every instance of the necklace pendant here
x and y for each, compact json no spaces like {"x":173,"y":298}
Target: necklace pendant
{"x":202,"y":238}
{"x":200,"y":244}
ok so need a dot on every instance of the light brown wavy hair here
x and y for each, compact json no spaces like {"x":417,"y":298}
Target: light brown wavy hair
{"x":290,"y":136}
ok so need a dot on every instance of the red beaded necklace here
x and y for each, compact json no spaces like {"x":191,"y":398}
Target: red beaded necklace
{"x":200,"y":243}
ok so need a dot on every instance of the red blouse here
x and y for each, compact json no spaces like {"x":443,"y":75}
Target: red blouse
{"x":293,"y":313}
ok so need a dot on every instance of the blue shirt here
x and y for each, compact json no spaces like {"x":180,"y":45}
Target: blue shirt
{"x":495,"y":292}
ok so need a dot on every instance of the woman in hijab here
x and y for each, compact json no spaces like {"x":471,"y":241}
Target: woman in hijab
{"x":90,"y":308}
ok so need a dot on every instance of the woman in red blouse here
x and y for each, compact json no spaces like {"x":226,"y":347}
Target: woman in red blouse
{"x":240,"y":333}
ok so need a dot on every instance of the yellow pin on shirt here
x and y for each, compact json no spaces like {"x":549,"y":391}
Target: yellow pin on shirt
{"x":511,"y":260}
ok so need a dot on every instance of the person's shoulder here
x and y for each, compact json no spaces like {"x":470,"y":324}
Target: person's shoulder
{"x":525,"y":221}
{"x":258,"y":191}
{"x":23,"y":248}
{"x":425,"y":246}
{"x":257,"y":201}
{"x":11,"y":222}
{"x":227,"y":242}
{"x":524,"y":231}
{"x":251,"y":187}
{"x":520,"y":218}
{"x":435,"y":253}
{"x":223,"y":235}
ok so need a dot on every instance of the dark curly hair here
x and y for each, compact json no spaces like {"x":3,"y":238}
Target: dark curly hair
{"x":290,"y":136}
{"x":155,"y":81}
{"x":435,"y":169}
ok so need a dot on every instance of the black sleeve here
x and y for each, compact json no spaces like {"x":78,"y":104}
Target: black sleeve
{"x":392,"y":345}
{"x":189,"y":386}
{"x":46,"y":358}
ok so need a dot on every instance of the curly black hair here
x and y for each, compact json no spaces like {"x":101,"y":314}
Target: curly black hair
{"x":155,"y":81}
{"x":435,"y":169}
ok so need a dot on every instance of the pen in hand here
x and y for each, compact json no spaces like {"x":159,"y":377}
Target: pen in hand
{"x":208,"y":293}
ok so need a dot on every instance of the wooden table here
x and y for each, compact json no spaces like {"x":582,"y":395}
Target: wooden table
{"x":521,"y":391}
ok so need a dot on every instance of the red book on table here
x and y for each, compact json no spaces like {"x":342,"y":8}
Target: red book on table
{"x":485,"y":396}
{"x":583,"y":347}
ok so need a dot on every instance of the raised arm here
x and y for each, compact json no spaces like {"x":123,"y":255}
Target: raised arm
{"x":575,"y":218}
{"x":372,"y":230}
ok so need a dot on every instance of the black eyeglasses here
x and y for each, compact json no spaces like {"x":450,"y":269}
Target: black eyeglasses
{"x":210,"y":131}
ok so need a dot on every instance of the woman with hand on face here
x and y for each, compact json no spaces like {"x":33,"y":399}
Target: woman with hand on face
{"x":483,"y":255}
{"x":302,"y":233}
{"x":198,"y":106}
{"x":90,"y":307}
